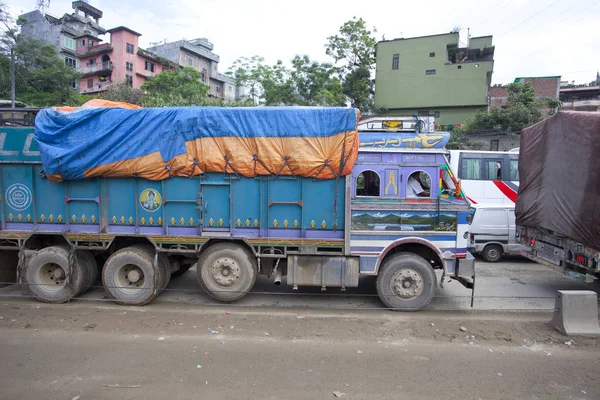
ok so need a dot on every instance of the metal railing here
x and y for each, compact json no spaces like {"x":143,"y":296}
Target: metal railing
{"x":103,"y":66}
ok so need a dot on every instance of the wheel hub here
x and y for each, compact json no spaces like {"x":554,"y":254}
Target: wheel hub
{"x":407,"y":284}
{"x":134,"y":275}
{"x":52,"y":277}
{"x":225,"y":272}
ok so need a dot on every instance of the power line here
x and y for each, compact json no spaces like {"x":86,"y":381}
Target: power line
{"x":530,"y":18}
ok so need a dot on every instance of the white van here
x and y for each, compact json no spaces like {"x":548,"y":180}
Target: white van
{"x":492,"y":231}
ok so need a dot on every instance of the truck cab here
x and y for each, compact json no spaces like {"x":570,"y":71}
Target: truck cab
{"x":405,"y":206}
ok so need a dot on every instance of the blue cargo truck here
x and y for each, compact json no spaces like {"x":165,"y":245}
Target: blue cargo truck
{"x":396,"y":214}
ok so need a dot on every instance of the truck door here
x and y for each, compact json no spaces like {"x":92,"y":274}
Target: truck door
{"x":216,"y":207}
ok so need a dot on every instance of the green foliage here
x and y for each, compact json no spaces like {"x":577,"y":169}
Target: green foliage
{"x":307,"y":83}
{"x":358,"y":86}
{"x":177,"y":87}
{"x":41,"y":77}
{"x":354,"y":46}
{"x":122,"y":92}
{"x":458,"y":139}
{"x":521,"y":110}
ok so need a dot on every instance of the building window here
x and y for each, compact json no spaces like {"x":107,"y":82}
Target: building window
{"x":204,"y":73}
{"x":91,"y":62}
{"x":149,"y":66}
{"x":229,"y":88}
{"x":129,"y":80}
{"x":71,"y":62}
{"x":430,"y":72}
{"x":217,"y":89}
{"x":367,"y":184}
{"x":82,"y":43}
{"x":129,"y":48}
{"x":129,"y":66}
{"x":494,"y":144}
{"x":460,"y":67}
{"x":189,"y":60}
{"x":431,"y":54}
{"x":90,"y":83}
{"x":436,"y":114}
{"x":69,"y":43}
{"x":395,"y":59}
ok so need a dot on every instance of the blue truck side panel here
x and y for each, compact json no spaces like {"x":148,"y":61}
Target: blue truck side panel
{"x":211,"y":204}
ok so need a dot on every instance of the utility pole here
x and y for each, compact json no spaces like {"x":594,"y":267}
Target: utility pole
{"x":12,"y":78}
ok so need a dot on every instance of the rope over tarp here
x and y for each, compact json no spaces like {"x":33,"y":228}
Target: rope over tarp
{"x":119,"y":140}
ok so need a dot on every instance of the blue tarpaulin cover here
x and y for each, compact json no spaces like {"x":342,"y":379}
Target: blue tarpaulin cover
{"x":157,"y":143}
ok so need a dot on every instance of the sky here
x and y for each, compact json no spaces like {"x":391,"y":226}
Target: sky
{"x":531,"y":37}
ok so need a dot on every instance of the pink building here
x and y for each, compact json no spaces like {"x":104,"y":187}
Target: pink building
{"x":121,"y":60}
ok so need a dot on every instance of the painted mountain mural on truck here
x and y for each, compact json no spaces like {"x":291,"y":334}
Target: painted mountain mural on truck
{"x":403,"y":221}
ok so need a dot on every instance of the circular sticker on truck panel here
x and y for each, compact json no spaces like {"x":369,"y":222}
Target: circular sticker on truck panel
{"x":18,"y":196}
{"x":150,"y":200}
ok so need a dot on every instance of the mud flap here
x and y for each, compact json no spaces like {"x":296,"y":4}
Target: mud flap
{"x":465,"y":274}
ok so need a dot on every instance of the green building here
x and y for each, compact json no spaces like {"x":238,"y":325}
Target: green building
{"x":434,"y":75}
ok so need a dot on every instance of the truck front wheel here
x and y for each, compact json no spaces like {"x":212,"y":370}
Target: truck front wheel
{"x":406,"y":282}
{"x":226,"y":271}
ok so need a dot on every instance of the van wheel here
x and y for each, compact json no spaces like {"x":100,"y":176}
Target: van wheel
{"x":406,"y":282}
{"x":492,"y":253}
{"x":227,"y":271}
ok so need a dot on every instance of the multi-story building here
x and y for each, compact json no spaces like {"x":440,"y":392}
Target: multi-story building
{"x":434,"y":75}
{"x":544,"y":86}
{"x":198,"y":54}
{"x":120,"y":60}
{"x":63,"y":32}
{"x":581,"y":98}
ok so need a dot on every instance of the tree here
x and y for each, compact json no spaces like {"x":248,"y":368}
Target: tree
{"x":249,"y":72}
{"x":177,"y":87}
{"x":316,"y":84}
{"x":122,"y":92}
{"x":521,"y":110}
{"x":307,"y":83}
{"x":354,"y":47}
{"x":41,"y":77}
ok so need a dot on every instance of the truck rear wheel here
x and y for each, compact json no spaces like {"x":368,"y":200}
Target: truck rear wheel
{"x":227,"y":271}
{"x":130,"y":278}
{"x":88,"y":264}
{"x":406,"y":282}
{"x":47,"y":275}
{"x":492,"y":253}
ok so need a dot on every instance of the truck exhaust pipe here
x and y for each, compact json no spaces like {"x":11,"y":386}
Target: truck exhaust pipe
{"x":278,"y":274}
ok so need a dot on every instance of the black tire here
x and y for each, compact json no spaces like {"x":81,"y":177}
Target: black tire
{"x":88,"y":264}
{"x":492,"y":253}
{"x":226,"y":271}
{"x":9,"y":260}
{"x":43,"y":282}
{"x":116,"y":273}
{"x":401,"y":269}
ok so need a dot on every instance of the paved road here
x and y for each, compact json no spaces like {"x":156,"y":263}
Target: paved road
{"x":102,"y":351}
{"x":514,"y":284}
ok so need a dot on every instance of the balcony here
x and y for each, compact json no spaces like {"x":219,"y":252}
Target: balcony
{"x":98,"y":87}
{"x":90,"y":69}
{"x":91,"y":50}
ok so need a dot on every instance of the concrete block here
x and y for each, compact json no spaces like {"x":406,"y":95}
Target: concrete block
{"x":576,"y":313}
